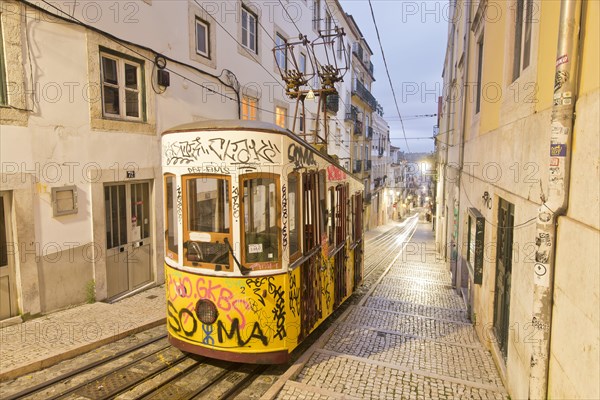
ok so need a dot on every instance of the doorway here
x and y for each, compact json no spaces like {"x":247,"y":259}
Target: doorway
{"x":8,"y":296}
{"x":128,"y":237}
{"x":506,"y":217}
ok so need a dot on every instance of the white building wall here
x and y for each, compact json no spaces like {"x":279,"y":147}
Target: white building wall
{"x":64,"y":140}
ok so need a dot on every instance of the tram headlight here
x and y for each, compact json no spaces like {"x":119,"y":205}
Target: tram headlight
{"x":206,"y":311}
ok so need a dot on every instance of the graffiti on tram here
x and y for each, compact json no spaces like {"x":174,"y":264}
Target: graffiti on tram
{"x":235,"y":151}
{"x":250,"y":310}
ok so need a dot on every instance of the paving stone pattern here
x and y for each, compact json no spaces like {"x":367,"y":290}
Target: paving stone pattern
{"x":458,"y":315}
{"x":410,"y":339}
{"x":414,"y":325}
{"x":470,"y":364}
{"x":370,"y":381}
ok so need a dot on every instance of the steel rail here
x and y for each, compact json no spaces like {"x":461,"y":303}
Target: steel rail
{"x":41,"y":386}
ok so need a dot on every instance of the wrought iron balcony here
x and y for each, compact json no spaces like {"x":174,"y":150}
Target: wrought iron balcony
{"x":369,"y":132}
{"x":357,"y":167}
{"x":351,"y":114}
{"x":357,"y":51}
{"x":368,"y":198}
{"x":363,"y":93}
{"x":367,"y":165}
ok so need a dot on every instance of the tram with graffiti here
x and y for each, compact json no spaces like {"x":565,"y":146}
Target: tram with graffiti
{"x":263,"y":239}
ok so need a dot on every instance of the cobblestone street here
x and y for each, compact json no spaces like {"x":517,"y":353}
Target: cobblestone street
{"x":408,"y":339}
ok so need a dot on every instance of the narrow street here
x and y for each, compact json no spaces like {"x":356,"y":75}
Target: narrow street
{"x":408,"y":338}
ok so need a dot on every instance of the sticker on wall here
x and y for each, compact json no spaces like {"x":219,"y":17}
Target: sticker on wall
{"x":255,"y":248}
{"x":558,"y":150}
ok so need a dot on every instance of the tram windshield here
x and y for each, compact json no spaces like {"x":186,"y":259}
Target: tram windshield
{"x":261,"y":211}
{"x":208,"y":219}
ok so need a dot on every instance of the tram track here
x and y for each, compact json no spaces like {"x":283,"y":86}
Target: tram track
{"x":152,"y":370}
{"x":379,"y":250}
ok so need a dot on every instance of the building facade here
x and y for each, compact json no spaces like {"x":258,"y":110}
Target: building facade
{"x":86,"y":90}
{"x":500,"y":159}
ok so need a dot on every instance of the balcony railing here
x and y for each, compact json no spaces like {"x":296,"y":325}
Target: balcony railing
{"x":358,"y":51}
{"x":367,"y":165}
{"x":361,"y":91}
{"x":369,"y":132}
{"x":358,"y":128}
{"x":351,"y":114}
{"x":368,"y":198}
{"x":357,"y":167}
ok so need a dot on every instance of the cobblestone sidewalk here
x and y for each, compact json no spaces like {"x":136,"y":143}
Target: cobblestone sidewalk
{"x":409,"y":338}
{"x":47,"y":340}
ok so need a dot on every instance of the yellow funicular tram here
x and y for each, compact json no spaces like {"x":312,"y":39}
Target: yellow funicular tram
{"x":263,"y":239}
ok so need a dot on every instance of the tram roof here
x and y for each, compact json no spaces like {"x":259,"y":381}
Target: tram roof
{"x":248,"y":125}
{"x":229,"y":125}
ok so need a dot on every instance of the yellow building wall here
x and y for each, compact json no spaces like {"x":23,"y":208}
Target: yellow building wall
{"x":493,"y":71}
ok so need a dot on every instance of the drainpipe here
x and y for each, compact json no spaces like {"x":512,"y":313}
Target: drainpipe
{"x":555,"y":203}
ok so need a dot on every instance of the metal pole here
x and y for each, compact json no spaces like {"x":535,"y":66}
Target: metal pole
{"x":555,"y":203}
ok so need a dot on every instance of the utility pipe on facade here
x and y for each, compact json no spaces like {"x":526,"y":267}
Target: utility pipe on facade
{"x":555,"y":202}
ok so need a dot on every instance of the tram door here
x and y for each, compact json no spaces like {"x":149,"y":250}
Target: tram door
{"x":309,"y":275}
{"x":8,"y":302}
{"x":128,"y":237}
{"x":341,"y":222}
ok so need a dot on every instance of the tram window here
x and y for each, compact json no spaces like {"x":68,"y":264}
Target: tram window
{"x":309,"y":208}
{"x":172,"y":233}
{"x":293,"y":206}
{"x":332,"y":207}
{"x":261,"y":212}
{"x":322,"y":204}
{"x":208,"y":220}
{"x":351,"y":213}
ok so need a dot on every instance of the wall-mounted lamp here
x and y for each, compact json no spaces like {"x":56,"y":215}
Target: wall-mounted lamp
{"x":487,"y":200}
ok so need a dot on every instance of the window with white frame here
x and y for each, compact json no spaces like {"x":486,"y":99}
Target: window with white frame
{"x":280,"y":53}
{"x":479,"y":73}
{"x":302,"y":63}
{"x":316,"y":14}
{"x":522,"y":45}
{"x":202,"y":38}
{"x":328,"y":22}
{"x":280,"y":116}
{"x":122,"y":94}
{"x":249,"y":32}
{"x":249,"y":107}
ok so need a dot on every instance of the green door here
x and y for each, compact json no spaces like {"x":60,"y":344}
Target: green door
{"x":506,"y":216}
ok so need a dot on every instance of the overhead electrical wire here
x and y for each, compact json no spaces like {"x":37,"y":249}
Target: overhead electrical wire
{"x":388,"y":74}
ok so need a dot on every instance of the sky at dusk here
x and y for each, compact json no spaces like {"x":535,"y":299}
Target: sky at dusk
{"x":413,"y":35}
